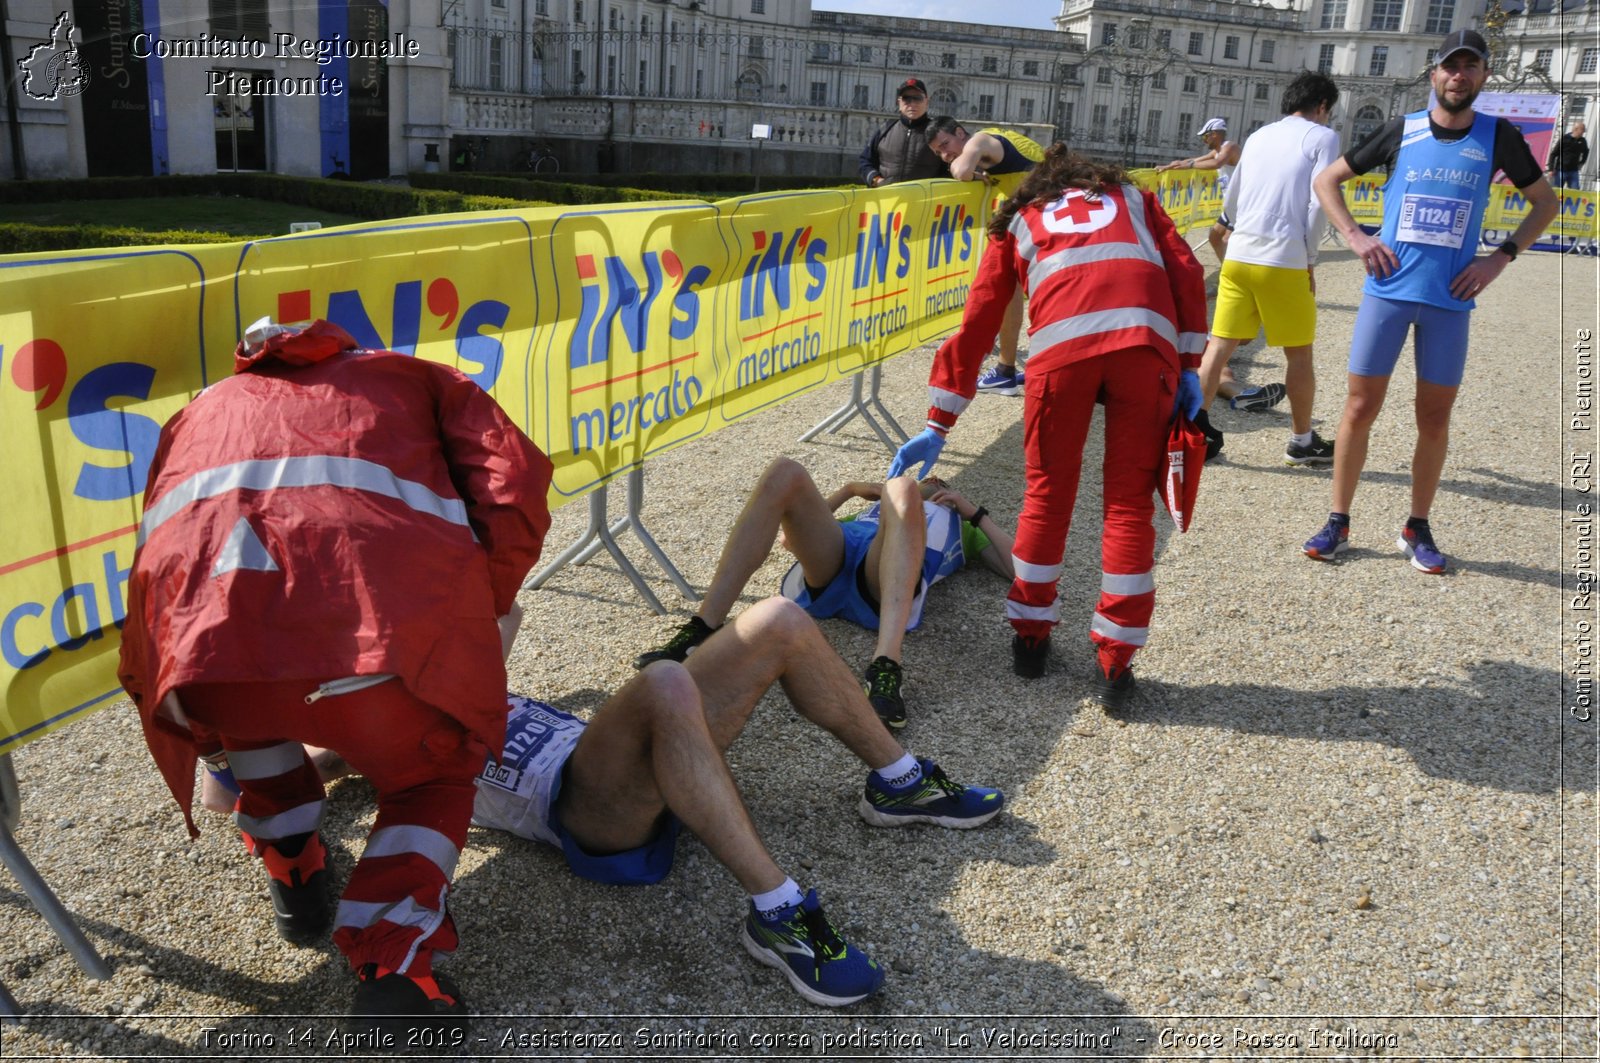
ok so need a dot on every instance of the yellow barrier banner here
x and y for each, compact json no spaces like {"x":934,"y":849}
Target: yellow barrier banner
{"x":626,"y":356}
{"x":97,"y":351}
{"x":1191,"y":198}
{"x":782,"y":328}
{"x":1576,"y":219}
{"x":608,"y":334}
{"x":1364,"y":197}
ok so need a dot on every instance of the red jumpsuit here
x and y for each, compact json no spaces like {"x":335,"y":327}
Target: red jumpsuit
{"x":328,"y":513}
{"x":1117,"y":308}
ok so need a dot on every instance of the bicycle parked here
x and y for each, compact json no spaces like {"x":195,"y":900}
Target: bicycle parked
{"x":540,"y":160}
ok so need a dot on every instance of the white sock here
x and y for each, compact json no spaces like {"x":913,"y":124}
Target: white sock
{"x":773,"y":900}
{"x":1301,"y":439}
{"x":902,"y":773}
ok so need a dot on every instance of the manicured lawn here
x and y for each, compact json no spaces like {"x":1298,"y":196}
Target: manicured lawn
{"x":222,"y":214}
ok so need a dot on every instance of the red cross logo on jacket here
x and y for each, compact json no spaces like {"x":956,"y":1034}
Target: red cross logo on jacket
{"x":1079,"y":212}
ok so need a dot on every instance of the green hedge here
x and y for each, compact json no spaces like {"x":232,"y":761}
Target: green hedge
{"x":17,"y":238}
{"x":373,"y":202}
{"x":550,"y":190}
{"x":616,"y":188}
{"x":344,"y":197}
{"x":695,"y":184}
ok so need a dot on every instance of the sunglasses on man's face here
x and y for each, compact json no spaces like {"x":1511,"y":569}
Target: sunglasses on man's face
{"x":914,"y":99}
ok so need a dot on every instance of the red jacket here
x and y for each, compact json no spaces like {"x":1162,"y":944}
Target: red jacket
{"x":1104,"y":272}
{"x":330,"y":512}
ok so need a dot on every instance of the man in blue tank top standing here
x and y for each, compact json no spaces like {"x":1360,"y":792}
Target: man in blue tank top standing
{"x":1423,"y":271}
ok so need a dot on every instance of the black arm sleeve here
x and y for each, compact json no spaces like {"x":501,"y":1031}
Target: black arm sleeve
{"x":1513,"y":156}
{"x":869,"y":156}
{"x":1379,"y":149}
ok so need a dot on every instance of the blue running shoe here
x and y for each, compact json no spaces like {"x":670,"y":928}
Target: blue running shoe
{"x":801,"y":942}
{"x":1262,"y":398}
{"x":1423,"y":554}
{"x":1328,"y":543}
{"x":996,"y":381}
{"x":931,"y":799}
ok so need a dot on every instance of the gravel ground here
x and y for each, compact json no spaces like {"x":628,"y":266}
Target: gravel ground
{"x":1347,"y":814}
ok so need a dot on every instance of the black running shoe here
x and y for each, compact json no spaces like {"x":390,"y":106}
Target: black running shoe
{"x":1317,"y":452}
{"x":883,"y":690}
{"x":401,"y":1006}
{"x":1114,"y":694}
{"x":690,"y":634}
{"x":1213,"y":434}
{"x":298,"y":883}
{"x":1028,"y":656}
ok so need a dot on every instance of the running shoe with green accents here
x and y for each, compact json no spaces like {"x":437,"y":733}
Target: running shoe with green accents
{"x":934,"y":799}
{"x":883,"y":678}
{"x":690,"y":633}
{"x":801,"y":942}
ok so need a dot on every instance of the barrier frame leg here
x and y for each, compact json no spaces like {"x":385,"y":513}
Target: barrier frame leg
{"x":602,"y":535}
{"x":38,"y":891}
{"x":861,"y":404}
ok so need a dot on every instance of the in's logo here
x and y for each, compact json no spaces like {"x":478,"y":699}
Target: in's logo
{"x":54,"y":69}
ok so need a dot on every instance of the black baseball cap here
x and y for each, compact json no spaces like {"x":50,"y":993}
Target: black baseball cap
{"x":1463,"y":41}
{"x":911,"y":85}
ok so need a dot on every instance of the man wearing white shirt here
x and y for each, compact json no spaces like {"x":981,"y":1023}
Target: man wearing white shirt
{"x":1267,"y":278}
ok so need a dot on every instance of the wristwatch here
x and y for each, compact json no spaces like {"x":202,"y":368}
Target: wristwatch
{"x":1510,"y":248}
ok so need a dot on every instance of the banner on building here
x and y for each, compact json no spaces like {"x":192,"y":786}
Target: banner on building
{"x":1536,"y":114}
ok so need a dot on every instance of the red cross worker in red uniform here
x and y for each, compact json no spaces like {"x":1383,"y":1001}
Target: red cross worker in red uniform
{"x":1118,"y":317}
{"x":330,"y":538}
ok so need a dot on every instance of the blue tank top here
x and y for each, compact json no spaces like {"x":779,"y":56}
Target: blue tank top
{"x":942,"y":553}
{"x":1433,"y":210}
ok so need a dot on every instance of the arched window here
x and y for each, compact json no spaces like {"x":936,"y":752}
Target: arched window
{"x":749,"y":85}
{"x":942,"y":102}
{"x":1367,"y":118}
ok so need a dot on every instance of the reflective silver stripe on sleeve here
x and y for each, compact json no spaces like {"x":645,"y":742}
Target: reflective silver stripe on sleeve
{"x":423,"y":841}
{"x":1091,"y":254}
{"x":1098,"y":321}
{"x":1191,"y":343}
{"x":1030,"y":573}
{"x":1138,"y":583}
{"x":1018,"y":611}
{"x":1133,"y":636}
{"x":266,"y":763}
{"x":319,"y":470}
{"x":1136,"y":217}
{"x":1024,"y":237}
{"x":298,"y":820}
{"x":948,"y":401}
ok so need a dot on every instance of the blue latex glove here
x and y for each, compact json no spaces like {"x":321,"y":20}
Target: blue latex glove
{"x":1188,"y":397}
{"x":924,"y":447}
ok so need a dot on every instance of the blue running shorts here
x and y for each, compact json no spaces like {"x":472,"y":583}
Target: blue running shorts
{"x":845,"y":595}
{"x":641,"y":866}
{"x":1440,"y":341}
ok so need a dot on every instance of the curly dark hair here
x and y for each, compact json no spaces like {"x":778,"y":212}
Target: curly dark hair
{"x":1060,"y":169}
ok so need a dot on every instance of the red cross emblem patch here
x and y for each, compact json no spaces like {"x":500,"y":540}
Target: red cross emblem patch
{"x":1079,"y":211}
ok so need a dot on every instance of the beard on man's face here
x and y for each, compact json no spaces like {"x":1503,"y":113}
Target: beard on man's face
{"x":1459,"y":104}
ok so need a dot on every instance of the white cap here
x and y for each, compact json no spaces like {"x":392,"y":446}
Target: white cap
{"x":1215,"y":125}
